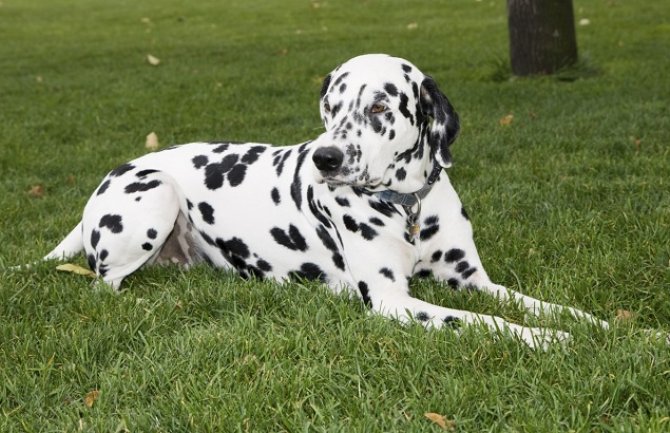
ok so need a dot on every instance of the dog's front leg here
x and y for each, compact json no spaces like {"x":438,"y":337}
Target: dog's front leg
{"x":382,"y":283}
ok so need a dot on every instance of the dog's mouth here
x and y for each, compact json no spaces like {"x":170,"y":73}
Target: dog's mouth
{"x":336,"y":180}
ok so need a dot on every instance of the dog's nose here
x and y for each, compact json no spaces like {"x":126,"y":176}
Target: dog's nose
{"x":328,"y":158}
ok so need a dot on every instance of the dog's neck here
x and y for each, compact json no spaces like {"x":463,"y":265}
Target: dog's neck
{"x":411,"y":198}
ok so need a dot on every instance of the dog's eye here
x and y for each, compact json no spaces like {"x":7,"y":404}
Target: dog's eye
{"x":326,"y":107}
{"x":378,"y":108}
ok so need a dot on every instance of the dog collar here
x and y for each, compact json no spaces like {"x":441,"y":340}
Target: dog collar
{"x":411,"y":202}
{"x":409,"y":199}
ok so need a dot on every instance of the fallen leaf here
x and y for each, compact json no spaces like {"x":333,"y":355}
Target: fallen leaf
{"x":151,"y":142}
{"x":91,"y":397}
{"x":36,"y":191}
{"x":637,"y":142}
{"x":153,"y":61}
{"x":39,"y":79}
{"x":282,"y":52}
{"x":624,"y":315}
{"x":506,"y":120}
{"x":146,"y":20}
{"x":584,"y":22}
{"x":75,"y":269}
{"x":412,"y":26}
{"x":440,"y":420}
{"x":71,"y":180}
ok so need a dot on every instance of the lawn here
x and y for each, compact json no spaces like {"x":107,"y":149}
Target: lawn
{"x":570,"y":203}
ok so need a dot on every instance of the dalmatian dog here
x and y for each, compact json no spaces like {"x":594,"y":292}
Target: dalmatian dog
{"x":362,"y":208}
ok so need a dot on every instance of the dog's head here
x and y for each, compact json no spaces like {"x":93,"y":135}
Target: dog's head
{"x":387,"y":125}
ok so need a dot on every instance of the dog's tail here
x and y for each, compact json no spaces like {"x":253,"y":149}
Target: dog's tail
{"x":68,"y":247}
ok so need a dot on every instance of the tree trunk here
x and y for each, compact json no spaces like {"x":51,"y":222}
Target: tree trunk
{"x":542,"y":35}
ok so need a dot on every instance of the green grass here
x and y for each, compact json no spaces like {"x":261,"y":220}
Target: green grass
{"x":571,"y":203}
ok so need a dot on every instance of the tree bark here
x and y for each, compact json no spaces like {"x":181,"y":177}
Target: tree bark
{"x":542,"y":36}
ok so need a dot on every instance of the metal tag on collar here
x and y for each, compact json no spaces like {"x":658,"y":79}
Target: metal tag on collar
{"x":413,"y":227}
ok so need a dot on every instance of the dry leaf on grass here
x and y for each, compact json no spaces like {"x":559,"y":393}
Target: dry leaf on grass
{"x":91,"y":397}
{"x":506,"y":120}
{"x":151,"y":142}
{"x":445,"y":424}
{"x":624,"y":315}
{"x":412,"y":26}
{"x":75,"y":269}
{"x":153,"y":61}
{"x":584,"y":22}
{"x":36,"y":191}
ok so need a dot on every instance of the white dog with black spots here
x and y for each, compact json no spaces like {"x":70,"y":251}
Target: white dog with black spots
{"x":363,"y":207}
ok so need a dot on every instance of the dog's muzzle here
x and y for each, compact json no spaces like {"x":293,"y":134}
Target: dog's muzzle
{"x":328,"y":159}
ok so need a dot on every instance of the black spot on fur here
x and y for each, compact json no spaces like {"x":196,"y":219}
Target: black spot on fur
{"x":386,"y":209}
{"x":103,"y":187}
{"x":142,"y":186}
{"x":367,"y":231}
{"x":112,"y":222}
{"x":407,"y":68}
{"x":252,"y":154}
{"x":424,"y":273}
{"x":452,"y":322}
{"x":428,"y":232}
{"x":144,"y":173}
{"x":293,"y":240}
{"x":454,"y":255}
{"x":296,"y":185}
{"x":464,"y":213}
{"x":236,"y":175}
{"x":124,"y":168}
{"x":422,"y":316}
{"x":222,"y":148}
{"x":342,"y":201}
{"x":403,"y":108}
{"x":152,"y":233}
{"x":387,"y":273}
{"x":400,"y":174}
{"x":365,"y":293}
{"x":207,"y":212}
{"x":376,"y":221}
{"x":468,"y":273}
{"x":462,"y":266}
{"x":437,"y":255}
{"x":95,"y":238}
{"x":200,"y":161}
{"x":453,"y":283}
{"x":275,"y":195}
{"x":229,"y":161}
{"x":147,"y":246}
{"x":214,"y":176}
{"x":309,"y":271}
{"x":91,"y":262}
{"x":350,"y":223}
{"x":207,"y":238}
{"x":263,"y":265}
{"x":103,"y":255}
{"x":234,"y":246}
{"x":391,"y":89}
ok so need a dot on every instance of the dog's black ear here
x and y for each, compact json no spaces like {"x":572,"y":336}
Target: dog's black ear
{"x":442,"y":120}
{"x":324,"y":86}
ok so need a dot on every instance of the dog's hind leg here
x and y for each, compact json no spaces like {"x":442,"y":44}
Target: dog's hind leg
{"x":129,"y":225}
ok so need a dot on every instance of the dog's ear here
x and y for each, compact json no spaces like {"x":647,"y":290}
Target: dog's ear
{"x":442,"y":120}
{"x":324,"y":86}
